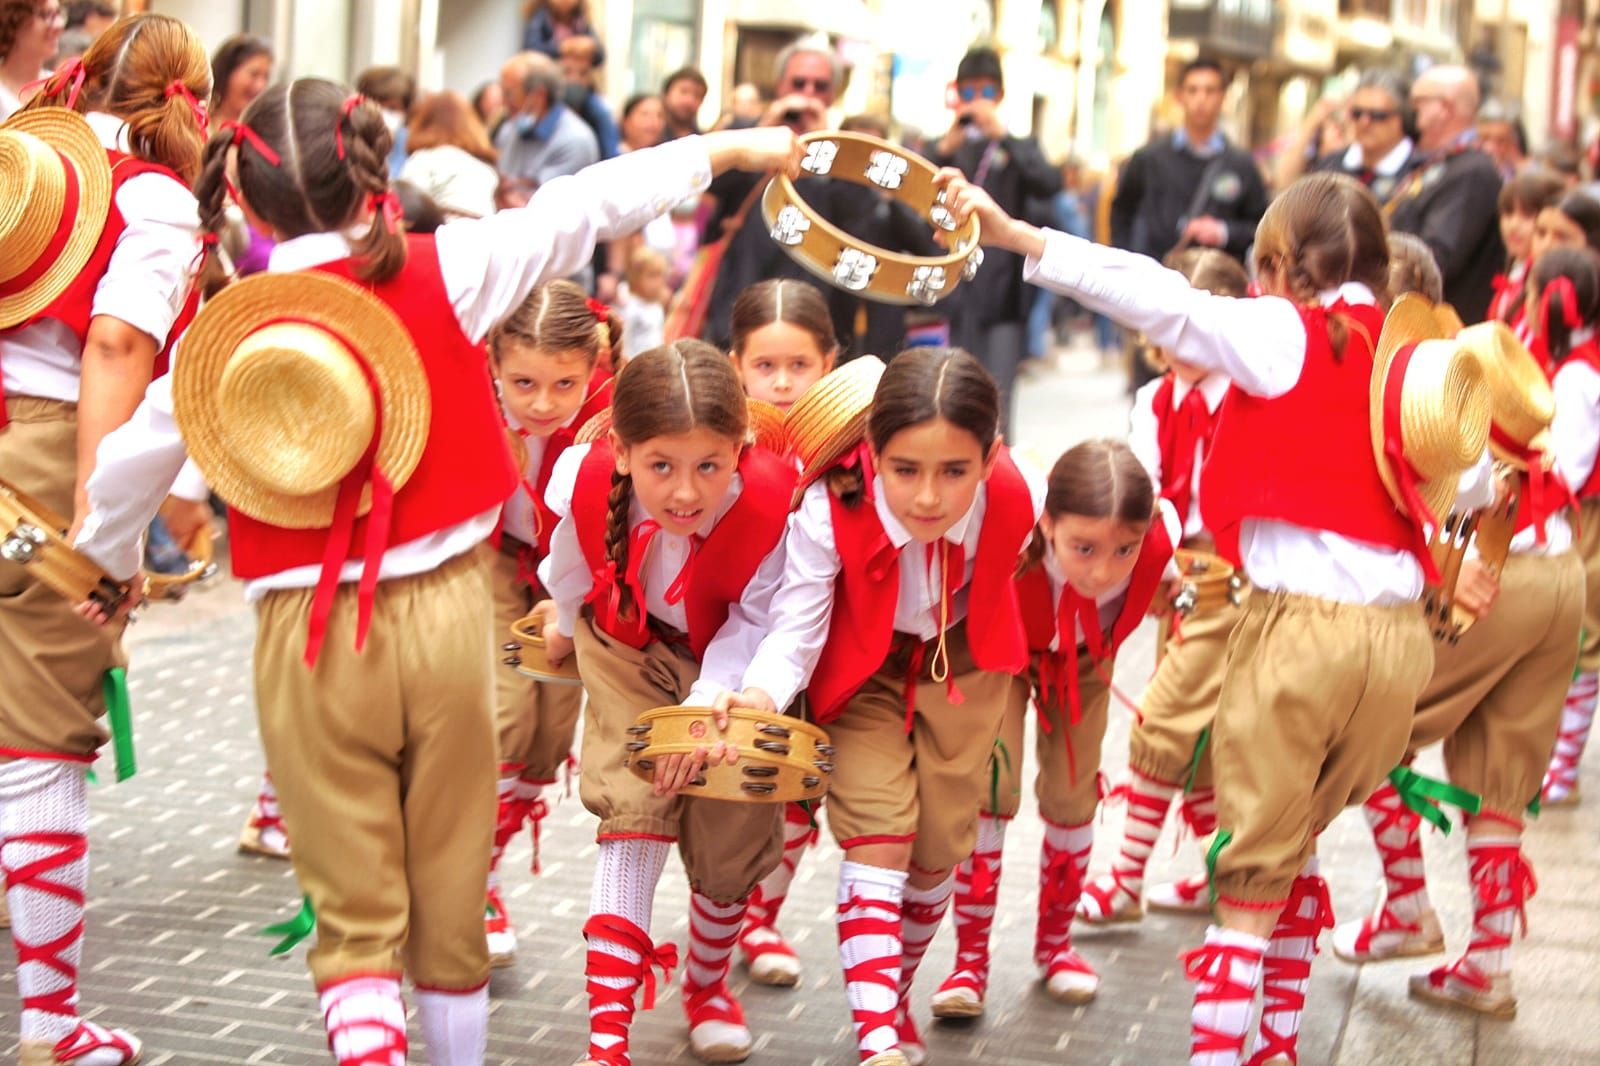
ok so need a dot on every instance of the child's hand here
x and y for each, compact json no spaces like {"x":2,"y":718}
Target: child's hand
{"x":1476,"y":588}
{"x":998,"y":229}
{"x":556,"y":646}
{"x":1161,"y":606}
{"x":675,"y":772}
{"x":754,"y":698}
{"x":185,"y":519}
{"x":761,"y":148}
{"x":92,"y":611}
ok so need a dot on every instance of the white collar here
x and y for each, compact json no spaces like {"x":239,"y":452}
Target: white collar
{"x":112,"y":130}
{"x":1214,"y":386}
{"x":1388,"y":166}
{"x":312,"y":250}
{"x":1351,"y":292}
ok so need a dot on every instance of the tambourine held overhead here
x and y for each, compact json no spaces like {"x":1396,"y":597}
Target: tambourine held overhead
{"x":850,"y":263}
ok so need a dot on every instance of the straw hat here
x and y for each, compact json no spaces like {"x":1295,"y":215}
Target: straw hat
{"x":1444,"y":405}
{"x":272,"y":398}
{"x":831,"y":417}
{"x":1521,"y":401}
{"x":1449,"y":319}
{"x":55,"y":192}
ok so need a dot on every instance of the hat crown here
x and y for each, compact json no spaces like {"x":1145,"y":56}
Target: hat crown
{"x":297,"y":407}
{"x":836,"y":401}
{"x":1444,"y":384}
{"x":1522,"y":403}
{"x":32,"y":194}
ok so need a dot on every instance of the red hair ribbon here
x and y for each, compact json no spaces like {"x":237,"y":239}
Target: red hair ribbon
{"x":243,"y":134}
{"x":599,"y":310}
{"x":1560,"y":286}
{"x":208,"y":244}
{"x":72,"y":70}
{"x":196,"y":108}
{"x":351,"y":102}
{"x":387,"y":204}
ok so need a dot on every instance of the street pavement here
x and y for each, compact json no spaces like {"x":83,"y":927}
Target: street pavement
{"x":174,"y":950}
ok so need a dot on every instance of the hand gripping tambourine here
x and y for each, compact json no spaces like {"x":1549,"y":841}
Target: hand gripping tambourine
{"x":1206,"y":583}
{"x":781,"y":759}
{"x":1490,"y":531}
{"x":35,"y":537}
{"x":526,"y":655}
{"x":840,"y":259}
{"x":173,"y":586}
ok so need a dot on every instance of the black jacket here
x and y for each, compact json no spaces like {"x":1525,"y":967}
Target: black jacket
{"x":1157,"y":195}
{"x":1018,"y":173}
{"x":1451,"y":204}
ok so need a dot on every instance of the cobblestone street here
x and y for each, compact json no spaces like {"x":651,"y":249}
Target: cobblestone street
{"x":174,"y":951}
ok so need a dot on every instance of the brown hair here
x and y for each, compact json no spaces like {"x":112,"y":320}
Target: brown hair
{"x":1581,"y":267}
{"x":1322,"y":231}
{"x":1530,"y":192}
{"x":1412,"y":267}
{"x":386,"y":85}
{"x":782,"y":300}
{"x":14,"y":14}
{"x":447,"y":118}
{"x":133,"y":71}
{"x":1212,"y":270}
{"x":232,"y":54}
{"x":921,"y":385}
{"x":556,"y":317}
{"x":310,"y":188}
{"x":667,"y":391}
{"x":1096,"y":479}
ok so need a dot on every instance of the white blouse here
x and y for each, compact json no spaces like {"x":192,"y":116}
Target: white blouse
{"x":489,"y":266}
{"x":1144,"y":435}
{"x":517,"y":518}
{"x":1260,"y":343}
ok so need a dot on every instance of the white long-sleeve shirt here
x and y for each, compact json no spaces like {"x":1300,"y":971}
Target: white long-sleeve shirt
{"x":489,"y":266}
{"x":146,"y":283}
{"x":1144,"y":436}
{"x":565,"y":574}
{"x":1260,"y":343}
{"x":799,"y":602}
{"x":1575,"y":440}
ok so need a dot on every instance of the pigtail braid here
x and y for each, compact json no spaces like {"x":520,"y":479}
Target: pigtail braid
{"x":610,"y":330}
{"x":617,"y":505}
{"x":382,"y":249}
{"x":211,"y":192}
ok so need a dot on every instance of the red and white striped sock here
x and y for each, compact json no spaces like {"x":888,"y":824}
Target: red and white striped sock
{"x":618,"y":932}
{"x":977,"y":890}
{"x":1576,"y":718}
{"x":870,"y":951}
{"x":1063,"y":862}
{"x":922,"y":909}
{"x":713,"y":932}
{"x":1287,"y":969}
{"x":1502,"y":882}
{"x":1122,"y":889}
{"x":1397,"y":830}
{"x":761,"y":920}
{"x":508,"y":819}
{"x":366,"y":1021}
{"x":1200,"y":812}
{"x":1226,"y":971}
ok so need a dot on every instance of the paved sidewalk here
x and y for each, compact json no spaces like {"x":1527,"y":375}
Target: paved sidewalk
{"x":173,"y":950}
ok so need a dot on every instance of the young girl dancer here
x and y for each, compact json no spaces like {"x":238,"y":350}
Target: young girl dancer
{"x":392,"y":833}
{"x":1331,"y":640}
{"x":897,"y":606}
{"x":674,"y":483}
{"x":1521,"y":200}
{"x":79,"y":349}
{"x":1102,"y":556}
{"x":783,"y":344}
{"x":545,"y":358}
{"x":1495,"y":698}
{"x":1173,"y":421}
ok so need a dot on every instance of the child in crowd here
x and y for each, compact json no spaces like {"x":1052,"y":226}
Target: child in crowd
{"x":642,"y":301}
{"x":1522,"y":199}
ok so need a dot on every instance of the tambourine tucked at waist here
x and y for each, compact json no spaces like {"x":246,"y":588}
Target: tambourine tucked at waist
{"x":1489,"y":532}
{"x":1207,"y":583}
{"x":35,"y":537}
{"x":526,"y":655}
{"x":850,"y":263}
{"x":781,"y":759}
{"x":172,"y":586}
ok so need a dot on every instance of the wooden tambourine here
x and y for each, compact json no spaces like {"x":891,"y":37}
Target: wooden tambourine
{"x":173,"y":586}
{"x":852,"y":264}
{"x":1207,"y":583}
{"x":35,"y":537}
{"x":1490,"y":532}
{"x":781,"y":759}
{"x":526,"y":655}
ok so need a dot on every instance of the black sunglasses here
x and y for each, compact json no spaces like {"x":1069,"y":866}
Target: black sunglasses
{"x":1376,"y":114}
{"x":820,"y":85}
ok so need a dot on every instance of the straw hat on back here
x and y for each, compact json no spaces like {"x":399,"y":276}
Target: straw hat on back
{"x":1521,"y":401}
{"x":1429,"y":410}
{"x":831,"y":417}
{"x":286,"y":384}
{"x":55,"y":193}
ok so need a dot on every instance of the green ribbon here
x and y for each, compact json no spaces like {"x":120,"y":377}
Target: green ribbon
{"x":295,"y":929}
{"x":1424,"y":794}
{"x":1536,"y":803}
{"x":1223,"y":838}
{"x":1194,"y":761}
{"x":994,"y":774}
{"x":810,"y":807}
{"x":119,"y":713}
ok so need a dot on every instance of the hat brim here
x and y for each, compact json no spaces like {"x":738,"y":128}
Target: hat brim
{"x":348,"y":312}
{"x":831,"y":417}
{"x":767,"y":428}
{"x":1521,"y":401}
{"x":69,"y":134}
{"x":1410,"y":320}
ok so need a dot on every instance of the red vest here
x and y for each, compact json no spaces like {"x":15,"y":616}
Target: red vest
{"x":1305,"y":457}
{"x":868,"y":588}
{"x":1177,"y":433}
{"x":544,"y":519}
{"x":1042,"y":616}
{"x":737,"y":544}
{"x":465,"y":468}
{"x":74,"y":307}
